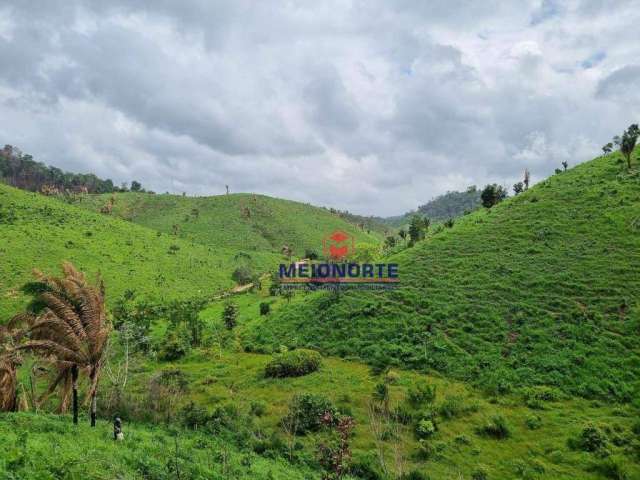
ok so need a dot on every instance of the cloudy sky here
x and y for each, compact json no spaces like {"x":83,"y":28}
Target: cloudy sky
{"x":369,"y":105}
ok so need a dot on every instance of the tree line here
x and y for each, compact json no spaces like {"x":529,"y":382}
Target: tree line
{"x":20,"y":170}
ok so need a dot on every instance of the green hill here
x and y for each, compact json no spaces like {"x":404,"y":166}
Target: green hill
{"x":541,"y":289}
{"x":40,"y":232}
{"x":238,"y":221}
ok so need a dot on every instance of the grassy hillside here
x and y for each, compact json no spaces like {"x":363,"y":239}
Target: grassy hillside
{"x":238,"y":221}
{"x":537,"y":446}
{"x":50,"y":447}
{"x":41,"y":232}
{"x":543,"y":288}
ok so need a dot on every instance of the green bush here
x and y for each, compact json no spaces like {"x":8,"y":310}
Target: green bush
{"x":495,"y":427}
{"x":479,"y":474}
{"x":293,"y":364}
{"x":613,"y":467}
{"x":306,"y":411}
{"x":193,"y":415}
{"x":591,"y":439}
{"x":414,"y":475}
{"x":258,"y":408}
{"x":535,"y":397}
{"x":451,"y":407}
{"x":175,"y":345}
{"x":421,"y":394}
{"x":533,"y":422}
{"x":425,"y":429}
{"x":265,"y":308}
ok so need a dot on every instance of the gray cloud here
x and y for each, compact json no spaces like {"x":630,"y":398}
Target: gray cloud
{"x":368,"y":105}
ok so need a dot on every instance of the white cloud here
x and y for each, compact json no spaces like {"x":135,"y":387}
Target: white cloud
{"x":371,"y":106}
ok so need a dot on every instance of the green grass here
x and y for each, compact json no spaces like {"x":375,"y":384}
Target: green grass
{"x":49,"y":447}
{"x":541,"y":289}
{"x":41,"y":232}
{"x":216,"y":379}
{"x":239,"y":221}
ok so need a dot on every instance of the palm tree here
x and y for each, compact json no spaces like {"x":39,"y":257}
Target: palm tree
{"x":10,"y":360}
{"x":70,"y":330}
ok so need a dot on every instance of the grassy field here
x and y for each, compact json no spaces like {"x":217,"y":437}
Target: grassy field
{"x":541,"y":289}
{"x":538,"y":452}
{"x":40,"y":232}
{"x":239,"y":221}
{"x":50,"y":447}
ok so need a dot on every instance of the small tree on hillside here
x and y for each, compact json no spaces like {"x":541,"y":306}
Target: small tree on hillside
{"x":417,"y":228}
{"x":607,"y":149}
{"x":492,"y":195}
{"x":628,"y":142}
{"x":230,"y":315}
{"x":136,"y":186}
{"x":390,"y":241}
{"x":527,"y":178}
{"x":565,"y":165}
{"x":402,"y":233}
{"x":518,"y":188}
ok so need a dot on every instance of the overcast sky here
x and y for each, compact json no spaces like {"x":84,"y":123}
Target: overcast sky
{"x":372,"y":106}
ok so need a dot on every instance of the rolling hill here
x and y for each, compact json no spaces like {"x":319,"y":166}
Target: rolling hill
{"x":237,"y":221}
{"x":40,"y":232}
{"x":541,"y":289}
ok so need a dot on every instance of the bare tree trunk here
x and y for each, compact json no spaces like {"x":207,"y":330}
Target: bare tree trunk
{"x":74,"y":379}
{"x":93,"y":408}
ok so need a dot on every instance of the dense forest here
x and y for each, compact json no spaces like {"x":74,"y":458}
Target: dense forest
{"x":22,"y":171}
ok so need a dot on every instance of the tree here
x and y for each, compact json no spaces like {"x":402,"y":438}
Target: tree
{"x":607,"y":148}
{"x":628,"y":142}
{"x":390,"y":241}
{"x":565,"y":165}
{"x":527,"y":178}
{"x":71,"y":330}
{"x":136,"y":186}
{"x":518,"y":188}
{"x":10,"y":361}
{"x":402,"y":233}
{"x":492,"y":194}
{"x":230,"y":315}
{"x":417,"y":228}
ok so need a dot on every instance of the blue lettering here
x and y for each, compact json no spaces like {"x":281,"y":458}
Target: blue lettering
{"x":291,"y":272}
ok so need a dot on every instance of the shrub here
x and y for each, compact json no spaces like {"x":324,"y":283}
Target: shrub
{"x":402,"y":415}
{"x":591,"y":439}
{"x":613,"y":467}
{"x":265,"y":308}
{"x":175,"y":345}
{"x":421,"y":394}
{"x":451,"y":407}
{"x":535,"y":396}
{"x":366,"y":468}
{"x":306,"y":411}
{"x":425,"y":429}
{"x":258,"y":408}
{"x":193,"y":415}
{"x":414,"y":475}
{"x":495,"y":427}
{"x":479,"y":474}
{"x":243,"y":275}
{"x":425,"y":451}
{"x":533,"y":422}
{"x":293,"y":364}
